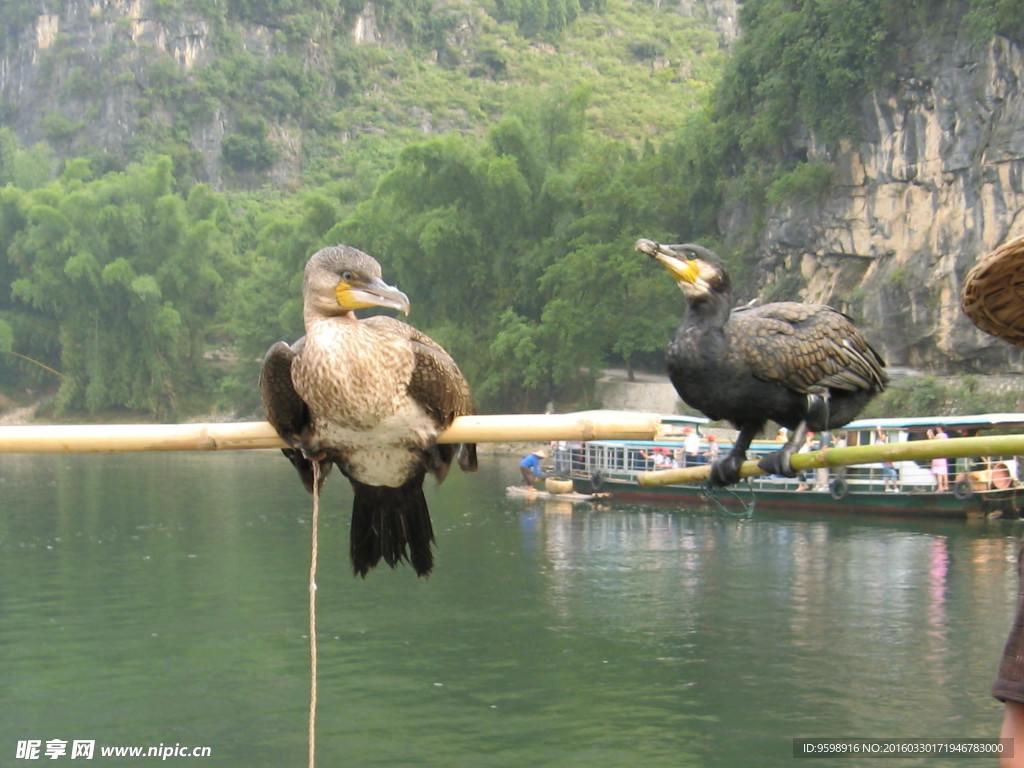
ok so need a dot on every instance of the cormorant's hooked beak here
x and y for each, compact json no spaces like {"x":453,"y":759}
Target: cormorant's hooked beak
{"x":683,"y":270}
{"x":371,"y":293}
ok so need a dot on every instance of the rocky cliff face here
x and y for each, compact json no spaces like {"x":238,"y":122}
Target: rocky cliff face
{"x":84,"y":75}
{"x":724,"y":16}
{"x":936,"y":182}
{"x":87,"y":75}
{"x":78,"y":77}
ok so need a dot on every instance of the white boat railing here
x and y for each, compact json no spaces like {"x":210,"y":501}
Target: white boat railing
{"x":620,"y":461}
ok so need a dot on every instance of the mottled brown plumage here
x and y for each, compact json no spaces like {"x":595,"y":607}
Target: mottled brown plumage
{"x":369,"y":396}
{"x":804,"y":347}
{"x":804,"y":366}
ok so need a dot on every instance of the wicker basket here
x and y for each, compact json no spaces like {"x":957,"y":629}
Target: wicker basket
{"x":558,"y":485}
{"x":993,"y":292}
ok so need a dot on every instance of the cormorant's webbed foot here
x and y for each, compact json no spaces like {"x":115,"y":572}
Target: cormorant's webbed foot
{"x":304,"y":467}
{"x":726,"y":470}
{"x":313,"y":451}
{"x":778,"y":462}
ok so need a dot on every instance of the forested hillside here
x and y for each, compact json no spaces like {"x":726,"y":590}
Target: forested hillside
{"x":246,"y":94}
{"x":473,"y":149}
{"x":499,"y":159}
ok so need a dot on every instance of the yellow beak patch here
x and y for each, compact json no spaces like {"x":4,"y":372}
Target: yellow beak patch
{"x":685,"y":270}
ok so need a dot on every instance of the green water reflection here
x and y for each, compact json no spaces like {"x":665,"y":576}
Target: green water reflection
{"x":162,"y":599}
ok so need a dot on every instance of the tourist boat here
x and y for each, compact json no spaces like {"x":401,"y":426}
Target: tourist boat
{"x":984,"y":486}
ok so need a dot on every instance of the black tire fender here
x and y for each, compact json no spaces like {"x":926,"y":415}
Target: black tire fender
{"x":839,"y":489}
{"x":962,"y":490}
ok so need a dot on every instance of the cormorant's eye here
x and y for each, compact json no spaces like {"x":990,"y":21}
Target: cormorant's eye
{"x":347,"y":276}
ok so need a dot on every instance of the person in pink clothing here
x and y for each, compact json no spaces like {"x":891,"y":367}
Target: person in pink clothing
{"x":940,"y":467}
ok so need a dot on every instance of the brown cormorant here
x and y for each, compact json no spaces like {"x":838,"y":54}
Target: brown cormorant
{"x":369,"y":396}
{"x":804,"y":366}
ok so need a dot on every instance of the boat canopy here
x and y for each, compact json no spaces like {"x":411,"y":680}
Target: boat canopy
{"x":976,"y":421}
{"x":686,"y":421}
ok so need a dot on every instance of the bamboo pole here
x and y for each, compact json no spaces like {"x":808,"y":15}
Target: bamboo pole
{"x":108,"y":438}
{"x":919,"y":450}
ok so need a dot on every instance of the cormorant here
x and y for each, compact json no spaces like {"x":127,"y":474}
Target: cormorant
{"x":369,"y":396}
{"x":804,"y":366}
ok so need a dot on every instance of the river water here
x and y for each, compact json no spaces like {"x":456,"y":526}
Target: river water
{"x":161,"y":600}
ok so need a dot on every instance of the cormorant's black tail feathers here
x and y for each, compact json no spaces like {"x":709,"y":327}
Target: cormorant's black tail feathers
{"x":392,"y":524}
{"x":465,"y":453}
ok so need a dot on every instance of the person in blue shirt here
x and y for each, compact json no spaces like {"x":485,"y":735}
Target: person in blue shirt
{"x":530,"y":467}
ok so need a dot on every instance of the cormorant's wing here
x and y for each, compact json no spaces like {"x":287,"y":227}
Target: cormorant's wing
{"x":285,"y":410}
{"x":287,"y":413}
{"x":436,"y":384}
{"x":805,"y":347}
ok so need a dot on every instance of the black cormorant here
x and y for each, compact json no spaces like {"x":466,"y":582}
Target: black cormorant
{"x":369,"y":396}
{"x":804,"y":366}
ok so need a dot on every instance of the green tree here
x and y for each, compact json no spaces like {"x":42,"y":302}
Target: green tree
{"x":468,"y":227}
{"x":130,"y":280}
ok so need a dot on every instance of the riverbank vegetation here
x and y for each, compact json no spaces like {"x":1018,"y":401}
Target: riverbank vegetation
{"x":137,"y":287}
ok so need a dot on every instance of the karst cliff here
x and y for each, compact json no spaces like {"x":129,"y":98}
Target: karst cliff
{"x":935,"y":181}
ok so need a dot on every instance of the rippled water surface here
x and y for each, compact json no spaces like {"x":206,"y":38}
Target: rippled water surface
{"x":162,"y":599}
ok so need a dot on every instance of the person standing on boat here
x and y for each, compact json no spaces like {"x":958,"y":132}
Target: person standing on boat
{"x":821,"y":473}
{"x":712,"y":453}
{"x":660,"y":458}
{"x":691,"y":444}
{"x":889,"y":473}
{"x":841,"y":442}
{"x":530,"y":468}
{"x":804,"y":476}
{"x":940,"y":466}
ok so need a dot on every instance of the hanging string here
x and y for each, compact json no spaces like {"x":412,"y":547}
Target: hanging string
{"x":714,"y":496}
{"x":312,"y":616}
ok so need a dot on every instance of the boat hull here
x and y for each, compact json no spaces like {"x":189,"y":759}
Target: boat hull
{"x":913,"y":504}
{"x":986,"y":485}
